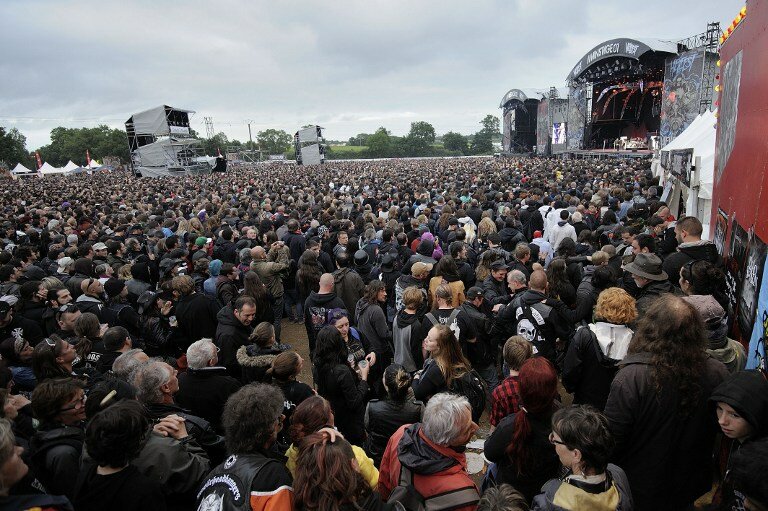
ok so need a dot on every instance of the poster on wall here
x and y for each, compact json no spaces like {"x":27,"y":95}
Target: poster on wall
{"x":665,"y":160}
{"x":753,"y":274}
{"x":721,"y":227}
{"x":756,"y":352}
{"x":734,"y":276}
{"x":680,"y":163}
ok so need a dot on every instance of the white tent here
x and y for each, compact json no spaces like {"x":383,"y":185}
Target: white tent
{"x":48,"y":169}
{"x":20,"y":169}
{"x":93,"y":165}
{"x":70,"y":166}
{"x":700,"y":136}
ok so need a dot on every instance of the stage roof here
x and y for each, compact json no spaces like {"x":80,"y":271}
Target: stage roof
{"x":621,"y":47}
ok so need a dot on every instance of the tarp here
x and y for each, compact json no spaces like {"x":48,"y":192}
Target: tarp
{"x":163,"y":153}
{"x":153,"y":121}
{"x":21,"y":169}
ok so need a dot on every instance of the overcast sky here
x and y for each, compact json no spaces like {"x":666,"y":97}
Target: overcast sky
{"x":348,"y":66}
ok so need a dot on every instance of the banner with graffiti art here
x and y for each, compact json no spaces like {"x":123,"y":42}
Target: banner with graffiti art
{"x":682,"y":90}
{"x":734,"y":276}
{"x":756,"y":353}
{"x":753,"y":274}
{"x":721,"y":228}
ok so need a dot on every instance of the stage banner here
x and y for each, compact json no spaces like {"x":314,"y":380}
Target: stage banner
{"x":734,"y":276}
{"x":682,"y":91}
{"x":721,"y":228}
{"x":577,"y":117}
{"x":542,"y":127}
{"x":680,"y":161}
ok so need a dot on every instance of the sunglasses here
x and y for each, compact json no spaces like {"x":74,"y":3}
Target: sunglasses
{"x":67,"y":307}
{"x":79,"y":403}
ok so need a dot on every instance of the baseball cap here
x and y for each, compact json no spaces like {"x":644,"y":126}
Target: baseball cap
{"x":64,"y":262}
{"x":499,"y":265}
{"x":474,"y":292}
{"x":113,"y":287}
{"x":200,"y":241}
{"x":99,"y":246}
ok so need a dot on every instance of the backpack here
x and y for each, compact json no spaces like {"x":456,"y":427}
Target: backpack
{"x":450,"y":321}
{"x":472,"y":386}
{"x":405,"y":495}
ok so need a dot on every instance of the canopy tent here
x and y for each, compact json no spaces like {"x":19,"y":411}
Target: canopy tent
{"x":700,"y":136}
{"x":93,"y":165}
{"x":70,"y":166}
{"x":20,"y":169}
{"x":48,"y":169}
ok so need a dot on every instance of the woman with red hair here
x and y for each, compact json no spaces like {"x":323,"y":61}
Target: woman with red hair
{"x":519,"y":446}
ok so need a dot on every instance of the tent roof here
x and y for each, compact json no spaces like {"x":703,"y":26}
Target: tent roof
{"x":620,"y":47}
{"x":70,"y":166}
{"x":700,"y":135}
{"x":21,"y":169}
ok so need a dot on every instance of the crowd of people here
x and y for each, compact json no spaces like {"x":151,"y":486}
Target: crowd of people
{"x":145,"y":364}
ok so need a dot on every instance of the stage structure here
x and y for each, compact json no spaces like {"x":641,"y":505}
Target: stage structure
{"x":309,"y":145}
{"x":552,"y":123}
{"x":161,"y":144}
{"x":638,"y":94}
{"x":519,"y":120}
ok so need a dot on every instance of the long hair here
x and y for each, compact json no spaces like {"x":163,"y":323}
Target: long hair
{"x":312,"y":414}
{"x":449,"y":357}
{"x":325,"y":478}
{"x":557,"y":277}
{"x":308,"y":273}
{"x":538,"y":388}
{"x":674,"y":334}
{"x":446,"y":268}
{"x":371,"y":291}
{"x":330,"y":349}
{"x":87,"y":329}
{"x":255,"y":288}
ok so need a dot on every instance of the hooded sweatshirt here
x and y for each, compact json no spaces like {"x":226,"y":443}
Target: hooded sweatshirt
{"x":407,"y":336}
{"x":591,"y":361}
{"x":372,"y":322}
{"x":692,"y":251}
{"x":316,"y":309}
{"x":719,"y":346}
{"x":231,"y":334}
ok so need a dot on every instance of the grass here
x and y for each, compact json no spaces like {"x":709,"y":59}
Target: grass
{"x":341,"y":149}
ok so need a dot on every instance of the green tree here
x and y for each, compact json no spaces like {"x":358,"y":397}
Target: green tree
{"x":419,"y":139}
{"x":491,"y":125}
{"x":211,"y":146}
{"x":455,"y":142}
{"x":13,"y":148}
{"x":482,"y":143}
{"x":274,"y":141}
{"x":361,"y":139}
{"x":72,"y":144}
{"x":380,"y":143}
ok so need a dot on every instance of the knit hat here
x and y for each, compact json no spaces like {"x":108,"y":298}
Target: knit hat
{"x":113,"y":287}
{"x":214,"y":268}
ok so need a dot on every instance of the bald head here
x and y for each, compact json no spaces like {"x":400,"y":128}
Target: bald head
{"x":326,"y":283}
{"x":258,"y":253}
{"x":538,"y":281}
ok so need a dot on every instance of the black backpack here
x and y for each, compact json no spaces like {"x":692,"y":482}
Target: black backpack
{"x":472,"y":386}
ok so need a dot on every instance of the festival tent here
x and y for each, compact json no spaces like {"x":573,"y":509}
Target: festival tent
{"x":700,"y":136}
{"x":48,"y":169}
{"x":20,"y":169}
{"x":70,"y":166}
{"x":93,"y":165}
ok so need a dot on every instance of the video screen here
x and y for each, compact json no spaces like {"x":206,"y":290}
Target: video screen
{"x":558,"y":132}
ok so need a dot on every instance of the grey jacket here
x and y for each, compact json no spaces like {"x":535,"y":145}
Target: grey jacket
{"x":372,"y":322}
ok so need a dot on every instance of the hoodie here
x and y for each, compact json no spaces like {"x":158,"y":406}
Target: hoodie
{"x":747,"y":393}
{"x":692,"y":251}
{"x":372,"y":322}
{"x":591,"y":361}
{"x":316,"y":309}
{"x":231,"y":334}
{"x":407,"y":336}
{"x":442,"y":470}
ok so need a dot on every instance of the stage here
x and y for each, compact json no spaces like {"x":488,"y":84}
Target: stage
{"x":609,"y":153}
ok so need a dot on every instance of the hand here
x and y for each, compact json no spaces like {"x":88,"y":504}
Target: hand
{"x":371,"y":358}
{"x":18,"y":401}
{"x":166,"y":308}
{"x":497,"y":307}
{"x":151,"y":255}
{"x":537,"y":266}
{"x":103,"y":329}
{"x":172,"y":426}
{"x":364,"y":370}
{"x":332,"y":433}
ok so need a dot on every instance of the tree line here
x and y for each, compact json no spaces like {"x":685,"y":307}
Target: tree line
{"x":72,"y":144}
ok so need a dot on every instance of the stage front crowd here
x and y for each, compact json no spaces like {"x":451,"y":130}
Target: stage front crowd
{"x":146,"y":361}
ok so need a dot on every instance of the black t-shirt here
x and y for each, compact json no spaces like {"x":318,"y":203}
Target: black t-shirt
{"x":126,"y":490}
{"x":461,"y":325}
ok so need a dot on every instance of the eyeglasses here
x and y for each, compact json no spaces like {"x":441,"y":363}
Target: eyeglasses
{"x":554,"y":441}
{"x":79,"y":403}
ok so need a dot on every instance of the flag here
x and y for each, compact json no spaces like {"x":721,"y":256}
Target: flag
{"x":87,"y":157}
{"x":218,"y":151}
{"x":39,"y":160}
